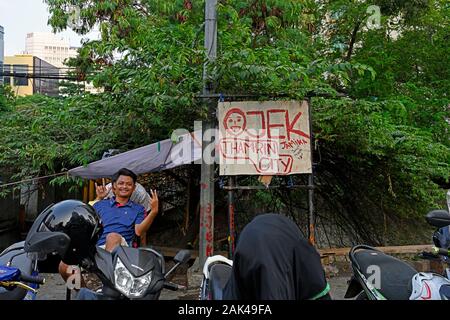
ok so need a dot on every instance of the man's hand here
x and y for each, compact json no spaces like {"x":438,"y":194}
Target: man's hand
{"x":141,"y":228}
{"x":101,"y":191}
{"x":154,"y":202}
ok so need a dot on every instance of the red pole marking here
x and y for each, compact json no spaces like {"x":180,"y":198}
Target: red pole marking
{"x":276,"y":125}
{"x":232,"y":217}
{"x":209,"y":221}
{"x":290,"y":126}
{"x":206,"y":226}
{"x":209,"y":236}
{"x":312,"y":239}
{"x":209,"y":250}
{"x":232,"y":228}
{"x":204,"y":185}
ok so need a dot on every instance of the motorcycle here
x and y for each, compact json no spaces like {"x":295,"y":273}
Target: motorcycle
{"x":127,"y":273}
{"x":132,"y":273}
{"x":70,"y":229}
{"x":272,"y":261}
{"x":19,"y":275}
{"x":378,"y":276}
{"x":216,"y":272}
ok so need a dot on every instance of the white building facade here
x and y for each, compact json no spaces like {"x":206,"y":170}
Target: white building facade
{"x":49,"y":47}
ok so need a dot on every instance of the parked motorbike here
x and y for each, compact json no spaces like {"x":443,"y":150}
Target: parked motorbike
{"x":19,"y":276}
{"x":378,"y":276}
{"x":71,"y":230}
{"x":216,"y":272}
{"x":132,"y":273}
{"x":272,"y":261}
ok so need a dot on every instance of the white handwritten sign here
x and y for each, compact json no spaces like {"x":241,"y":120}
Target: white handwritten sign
{"x":264,"y":138}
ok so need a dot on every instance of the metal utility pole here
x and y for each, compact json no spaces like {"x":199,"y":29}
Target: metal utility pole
{"x":231,"y":206}
{"x":206,"y":241}
{"x":311,"y":215}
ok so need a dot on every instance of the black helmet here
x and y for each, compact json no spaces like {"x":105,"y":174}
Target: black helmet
{"x":70,"y":228}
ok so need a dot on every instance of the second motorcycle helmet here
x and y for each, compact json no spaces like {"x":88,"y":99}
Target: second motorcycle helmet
{"x":70,"y":228}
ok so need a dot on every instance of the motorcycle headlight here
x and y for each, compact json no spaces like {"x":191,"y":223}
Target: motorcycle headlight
{"x":126,"y":283}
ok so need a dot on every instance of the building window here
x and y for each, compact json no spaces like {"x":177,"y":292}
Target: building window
{"x":20,"y":72}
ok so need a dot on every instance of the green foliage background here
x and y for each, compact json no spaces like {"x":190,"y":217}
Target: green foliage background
{"x":381,"y":120}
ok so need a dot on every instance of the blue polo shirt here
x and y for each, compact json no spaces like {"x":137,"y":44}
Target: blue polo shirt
{"x":119,"y":218}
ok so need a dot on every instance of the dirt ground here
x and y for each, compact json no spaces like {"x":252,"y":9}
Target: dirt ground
{"x":338,"y":273}
{"x":55,"y":289}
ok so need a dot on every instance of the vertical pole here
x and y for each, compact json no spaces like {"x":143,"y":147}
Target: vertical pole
{"x":86,"y":193}
{"x":206,"y":241}
{"x":231,"y":184}
{"x":311,"y":233}
{"x":311,"y":218}
{"x":91,"y":190}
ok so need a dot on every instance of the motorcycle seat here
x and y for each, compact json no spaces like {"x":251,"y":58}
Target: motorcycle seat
{"x":395,"y":276}
{"x":218,"y":278}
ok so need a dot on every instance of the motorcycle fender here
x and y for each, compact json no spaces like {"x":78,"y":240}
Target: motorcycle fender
{"x":354,"y":288}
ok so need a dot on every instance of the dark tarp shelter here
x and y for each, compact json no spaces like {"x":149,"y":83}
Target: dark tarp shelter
{"x":158,"y":156}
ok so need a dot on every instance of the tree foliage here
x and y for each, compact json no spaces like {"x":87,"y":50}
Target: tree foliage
{"x":383,"y":148}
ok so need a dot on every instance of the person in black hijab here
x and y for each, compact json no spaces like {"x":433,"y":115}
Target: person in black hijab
{"x":273,"y":261}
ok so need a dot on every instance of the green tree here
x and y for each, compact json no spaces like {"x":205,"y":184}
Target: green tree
{"x":383,"y":149}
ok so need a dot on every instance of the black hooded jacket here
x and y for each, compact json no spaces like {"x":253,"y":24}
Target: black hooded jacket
{"x":273,"y":261}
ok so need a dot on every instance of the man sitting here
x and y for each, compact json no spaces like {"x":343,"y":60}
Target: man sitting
{"x":122,"y":218}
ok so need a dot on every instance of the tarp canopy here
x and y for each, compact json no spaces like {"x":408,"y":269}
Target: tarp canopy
{"x":154,"y":157}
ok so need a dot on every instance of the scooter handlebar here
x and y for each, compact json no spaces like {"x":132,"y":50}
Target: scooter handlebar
{"x":441,"y":251}
{"x":173,"y":286}
{"x":32,"y":279}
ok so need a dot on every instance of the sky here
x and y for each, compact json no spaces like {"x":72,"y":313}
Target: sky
{"x":19,"y":17}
